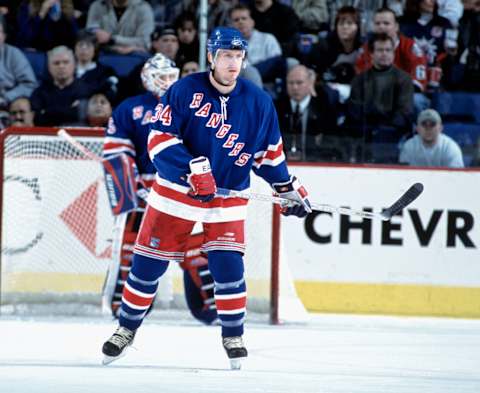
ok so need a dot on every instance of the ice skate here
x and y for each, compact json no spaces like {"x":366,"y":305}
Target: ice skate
{"x":117,"y":345}
{"x":236,"y":351}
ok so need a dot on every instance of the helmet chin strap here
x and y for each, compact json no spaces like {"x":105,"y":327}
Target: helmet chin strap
{"x":212,"y":71}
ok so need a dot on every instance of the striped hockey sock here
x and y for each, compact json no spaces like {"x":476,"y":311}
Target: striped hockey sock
{"x":140,"y":289}
{"x":230,"y":290}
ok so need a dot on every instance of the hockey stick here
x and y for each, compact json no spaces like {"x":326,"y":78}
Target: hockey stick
{"x":141,"y":192}
{"x":408,"y":197}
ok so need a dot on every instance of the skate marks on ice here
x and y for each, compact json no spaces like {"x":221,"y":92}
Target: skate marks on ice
{"x":338,"y":354}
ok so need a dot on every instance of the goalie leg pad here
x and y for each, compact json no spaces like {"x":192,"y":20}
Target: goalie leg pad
{"x":200,"y":300}
{"x":198,"y":281}
{"x":126,"y":256}
{"x":125,"y":233}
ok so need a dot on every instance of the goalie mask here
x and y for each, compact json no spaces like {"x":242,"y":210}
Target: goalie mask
{"x":158,"y":74}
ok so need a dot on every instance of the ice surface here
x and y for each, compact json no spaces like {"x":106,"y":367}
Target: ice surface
{"x":332,"y":354}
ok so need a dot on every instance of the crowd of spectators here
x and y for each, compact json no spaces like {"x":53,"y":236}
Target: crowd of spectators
{"x":352,"y":80}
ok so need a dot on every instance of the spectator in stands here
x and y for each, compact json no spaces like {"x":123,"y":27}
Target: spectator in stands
{"x":190,"y":67}
{"x":165,"y":41}
{"x":380,"y":103}
{"x":264,"y":53}
{"x":265,"y":61}
{"x":430,"y":147}
{"x":252,"y":74}
{"x":434,"y":34}
{"x":8,"y":9}
{"x":81,"y":12}
{"x":270,"y":16}
{"x":16,"y":75}
{"x":261,"y":46}
{"x":166,"y":11}
{"x":21,"y":114}
{"x":333,"y":57}
{"x":122,"y":26}
{"x":408,"y":56}
{"x":303,"y":118}
{"x":451,"y":9}
{"x":469,"y":46}
{"x":219,"y":12}
{"x":45,"y":24}
{"x":366,"y":9}
{"x":313,"y":15}
{"x":4,"y":7}
{"x":99,"y":110}
{"x":97,"y":77}
{"x":186,"y":28}
{"x":60,"y":101}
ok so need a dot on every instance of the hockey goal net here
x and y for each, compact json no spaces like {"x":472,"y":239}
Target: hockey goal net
{"x":56,"y":230}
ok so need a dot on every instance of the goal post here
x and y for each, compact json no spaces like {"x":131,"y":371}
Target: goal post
{"x":56,"y":229}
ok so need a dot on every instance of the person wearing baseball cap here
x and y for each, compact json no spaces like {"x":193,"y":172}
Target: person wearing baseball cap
{"x":165,"y":41}
{"x":429,"y":146}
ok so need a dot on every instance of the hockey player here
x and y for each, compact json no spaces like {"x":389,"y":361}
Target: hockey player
{"x":127,"y":134}
{"x":211,"y":130}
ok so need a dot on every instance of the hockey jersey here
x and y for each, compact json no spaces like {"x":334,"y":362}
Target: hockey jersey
{"x":408,"y":57}
{"x":127,"y":132}
{"x":237,"y":132}
{"x":432,"y":36}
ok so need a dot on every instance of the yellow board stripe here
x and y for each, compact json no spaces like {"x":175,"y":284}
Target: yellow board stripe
{"x":27,"y":282}
{"x":393,"y":299}
{"x":396,"y":299}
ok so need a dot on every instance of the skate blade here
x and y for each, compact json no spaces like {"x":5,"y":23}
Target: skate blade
{"x":236,"y":364}
{"x":110,"y":359}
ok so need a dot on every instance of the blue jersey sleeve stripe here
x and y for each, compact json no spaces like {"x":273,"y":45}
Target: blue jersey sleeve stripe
{"x":158,"y":145}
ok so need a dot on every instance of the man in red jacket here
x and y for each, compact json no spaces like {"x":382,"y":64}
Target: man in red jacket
{"x":408,"y":56}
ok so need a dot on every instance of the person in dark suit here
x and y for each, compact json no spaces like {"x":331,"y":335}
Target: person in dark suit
{"x":304,"y":115}
{"x":60,"y":100}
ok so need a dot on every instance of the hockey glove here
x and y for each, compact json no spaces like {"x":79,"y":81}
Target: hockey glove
{"x":201,"y":180}
{"x":294,"y":191}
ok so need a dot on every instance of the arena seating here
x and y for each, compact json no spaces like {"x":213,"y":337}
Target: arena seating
{"x":457,"y":106}
{"x":122,"y":64}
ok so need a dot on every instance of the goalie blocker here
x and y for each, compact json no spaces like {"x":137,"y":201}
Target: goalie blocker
{"x":121,"y":183}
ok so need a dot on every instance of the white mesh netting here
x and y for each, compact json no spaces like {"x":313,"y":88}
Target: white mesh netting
{"x":57,"y":230}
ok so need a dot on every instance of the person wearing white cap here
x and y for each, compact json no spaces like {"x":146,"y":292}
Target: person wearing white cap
{"x":430,"y":147}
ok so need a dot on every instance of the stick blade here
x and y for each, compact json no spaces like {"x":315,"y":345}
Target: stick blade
{"x":408,"y":197}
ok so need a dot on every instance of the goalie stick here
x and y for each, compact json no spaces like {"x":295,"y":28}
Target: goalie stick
{"x":408,"y":197}
{"x":141,"y":193}
{"x":76,"y":144}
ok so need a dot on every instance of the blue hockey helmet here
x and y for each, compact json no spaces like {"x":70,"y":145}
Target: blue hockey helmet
{"x":226,"y":38}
